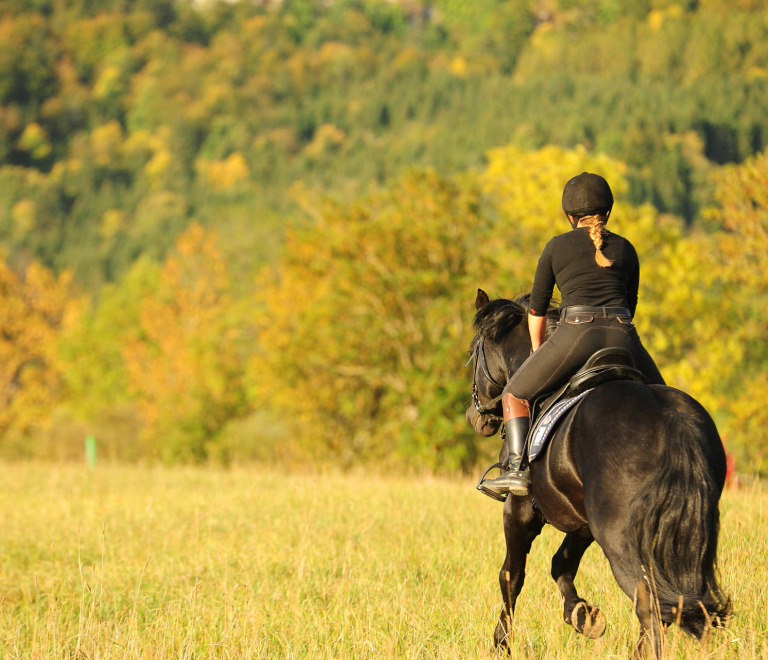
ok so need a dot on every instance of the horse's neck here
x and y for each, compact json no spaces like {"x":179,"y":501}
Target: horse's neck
{"x":516,"y":351}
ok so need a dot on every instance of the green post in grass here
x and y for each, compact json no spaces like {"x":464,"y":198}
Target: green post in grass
{"x":90,"y":451}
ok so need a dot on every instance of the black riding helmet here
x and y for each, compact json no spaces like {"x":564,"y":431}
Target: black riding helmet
{"x":587,"y":194}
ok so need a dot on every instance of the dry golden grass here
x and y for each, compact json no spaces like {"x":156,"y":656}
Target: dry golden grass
{"x":127,"y":562}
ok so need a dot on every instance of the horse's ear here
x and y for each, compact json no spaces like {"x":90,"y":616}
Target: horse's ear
{"x":481,"y":300}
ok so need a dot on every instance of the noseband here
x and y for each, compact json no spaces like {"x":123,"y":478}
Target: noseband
{"x":479,"y":357}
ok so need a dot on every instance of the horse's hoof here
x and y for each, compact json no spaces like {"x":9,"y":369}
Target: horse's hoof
{"x":588,"y":620}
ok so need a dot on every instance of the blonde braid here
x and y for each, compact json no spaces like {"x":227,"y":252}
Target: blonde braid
{"x":596,"y":224}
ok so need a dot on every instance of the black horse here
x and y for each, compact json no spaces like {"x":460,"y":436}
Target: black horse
{"x":637,"y":468}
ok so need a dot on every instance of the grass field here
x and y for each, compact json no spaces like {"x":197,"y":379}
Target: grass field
{"x":128,"y":562}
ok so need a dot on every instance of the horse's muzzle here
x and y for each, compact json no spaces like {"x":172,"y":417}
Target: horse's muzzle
{"x":482,"y":424}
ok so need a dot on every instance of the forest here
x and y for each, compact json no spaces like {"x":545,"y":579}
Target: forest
{"x":253,"y":231}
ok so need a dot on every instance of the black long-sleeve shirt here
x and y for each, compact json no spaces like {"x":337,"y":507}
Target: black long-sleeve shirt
{"x":568,"y":260}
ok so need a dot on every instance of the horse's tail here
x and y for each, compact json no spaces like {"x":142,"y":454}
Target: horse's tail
{"x":674,"y":522}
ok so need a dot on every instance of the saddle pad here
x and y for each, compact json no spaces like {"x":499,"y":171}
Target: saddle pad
{"x":548,"y":421}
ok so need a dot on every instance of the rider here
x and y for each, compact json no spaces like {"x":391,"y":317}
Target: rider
{"x":597,"y":273}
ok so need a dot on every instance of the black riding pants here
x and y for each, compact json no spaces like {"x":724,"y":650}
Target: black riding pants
{"x":570,"y":346}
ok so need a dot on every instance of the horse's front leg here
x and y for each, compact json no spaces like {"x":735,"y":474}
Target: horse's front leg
{"x":585,"y":618}
{"x":521,"y":526}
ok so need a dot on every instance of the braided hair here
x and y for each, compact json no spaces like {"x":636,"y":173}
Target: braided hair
{"x":597,"y":230}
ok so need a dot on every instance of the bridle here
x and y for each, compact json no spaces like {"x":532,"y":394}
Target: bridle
{"x":478,"y":355}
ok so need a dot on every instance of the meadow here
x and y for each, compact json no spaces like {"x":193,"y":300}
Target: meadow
{"x":138,"y":562}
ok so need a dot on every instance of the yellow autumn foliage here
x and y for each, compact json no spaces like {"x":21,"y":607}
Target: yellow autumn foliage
{"x":357,"y":338}
{"x":366,"y":318}
{"x":35,"y":307}
{"x":34,"y":140}
{"x":364,"y":325}
{"x":224,"y":174}
{"x":182,"y":361}
{"x":740,"y":258}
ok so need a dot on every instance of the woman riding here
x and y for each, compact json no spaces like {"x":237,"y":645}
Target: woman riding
{"x":597,"y":273}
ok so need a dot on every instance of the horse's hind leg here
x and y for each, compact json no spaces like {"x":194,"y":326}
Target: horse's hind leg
{"x":521,"y":526}
{"x":625,"y":570}
{"x":585,"y":618}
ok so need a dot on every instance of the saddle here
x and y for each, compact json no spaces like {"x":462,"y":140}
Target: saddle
{"x":605,"y":365}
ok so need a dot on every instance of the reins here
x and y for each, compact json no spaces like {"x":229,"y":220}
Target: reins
{"x":479,"y":357}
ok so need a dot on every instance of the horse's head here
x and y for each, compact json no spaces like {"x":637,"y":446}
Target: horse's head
{"x":500,"y":345}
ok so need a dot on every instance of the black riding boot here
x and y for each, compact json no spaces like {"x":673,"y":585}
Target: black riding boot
{"x":516,"y":480}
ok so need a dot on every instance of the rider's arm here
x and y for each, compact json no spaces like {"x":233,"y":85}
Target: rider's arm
{"x":538,"y":326}
{"x":634,"y":283}
{"x":543,"y":284}
{"x":541,"y":294}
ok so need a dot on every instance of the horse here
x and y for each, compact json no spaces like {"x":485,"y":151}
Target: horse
{"x":638,"y":468}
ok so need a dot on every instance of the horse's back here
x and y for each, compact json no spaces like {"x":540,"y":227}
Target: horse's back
{"x":622,"y":431}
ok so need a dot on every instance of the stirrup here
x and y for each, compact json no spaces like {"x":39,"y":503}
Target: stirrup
{"x":499,"y":497}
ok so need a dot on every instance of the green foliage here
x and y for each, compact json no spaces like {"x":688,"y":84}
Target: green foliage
{"x":96,"y":374}
{"x":363,"y":331}
{"x":111,"y":107}
{"x":165,"y":349}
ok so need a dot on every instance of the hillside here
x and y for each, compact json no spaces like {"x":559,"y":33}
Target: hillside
{"x":122,"y":122}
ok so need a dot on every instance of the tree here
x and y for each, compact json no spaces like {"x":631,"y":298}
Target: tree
{"x":365,"y":325}
{"x":35,"y":308}
{"x":183,"y":361}
{"x":368,"y":317}
{"x":741,"y":258}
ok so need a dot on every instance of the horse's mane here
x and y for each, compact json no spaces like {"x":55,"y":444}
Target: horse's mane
{"x":496,"y":319}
